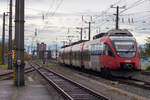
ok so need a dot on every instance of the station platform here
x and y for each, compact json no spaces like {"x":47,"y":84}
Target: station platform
{"x":31,"y":91}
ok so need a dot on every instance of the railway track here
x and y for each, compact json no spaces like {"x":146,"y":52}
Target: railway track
{"x":145,"y":73}
{"x":9,"y":75}
{"x":135,"y":82}
{"x":68,"y":88}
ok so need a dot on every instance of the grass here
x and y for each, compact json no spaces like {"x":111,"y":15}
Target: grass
{"x":3,"y":66}
{"x":148,"y":68}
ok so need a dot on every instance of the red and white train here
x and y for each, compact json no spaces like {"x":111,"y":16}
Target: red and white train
{"x":112,"y":53}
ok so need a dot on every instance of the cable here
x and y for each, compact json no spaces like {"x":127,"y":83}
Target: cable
{"x":143,"y":17}
{"x":105,"y":12}
{"x":57,"y":8}
{"x":117,"y":3}
{"x":53,"y":13}
{"x":135,"y":13}
{"x":50,"y":8}
{"x":133,"y":5}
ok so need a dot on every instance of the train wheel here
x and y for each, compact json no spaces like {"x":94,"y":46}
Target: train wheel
{"x":82,"y":68}
{"x":105,"y":72}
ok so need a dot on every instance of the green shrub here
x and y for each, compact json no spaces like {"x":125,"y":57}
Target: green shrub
{"x":3,"y":66}
{"x":148,"y":68}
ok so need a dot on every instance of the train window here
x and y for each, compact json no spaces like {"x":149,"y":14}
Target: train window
{"x":67,"y":55}
{"x":96,"y":49}
{"x":79,"y":55}
{"x":108,"y":51}
{"x":86,"y":55}
{"x":75,"y":55}
{"x":71,"y":55}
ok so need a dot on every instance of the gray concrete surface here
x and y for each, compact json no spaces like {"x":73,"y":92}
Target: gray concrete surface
{"x":31,"y":91}
{"x":102,"y":86}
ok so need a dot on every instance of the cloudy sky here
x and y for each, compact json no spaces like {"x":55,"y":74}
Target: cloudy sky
{"x":58,"y":19}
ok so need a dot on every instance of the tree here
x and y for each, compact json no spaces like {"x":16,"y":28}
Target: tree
{"x":147,"y":47}
{"x":26,"y":56}
{"x":5,"y":51}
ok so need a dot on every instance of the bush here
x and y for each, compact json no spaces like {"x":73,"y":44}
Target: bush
{"x":26,"y":56}
{"x":3,"y":66}
{"x":148,"y":68}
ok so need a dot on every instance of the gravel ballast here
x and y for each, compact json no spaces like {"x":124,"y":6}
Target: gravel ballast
{"x":114,"y":91}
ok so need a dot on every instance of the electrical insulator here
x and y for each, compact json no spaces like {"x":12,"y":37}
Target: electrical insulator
{"x":129,"y":20}
{"x":132,"y":20}
{"x":122,"y":20}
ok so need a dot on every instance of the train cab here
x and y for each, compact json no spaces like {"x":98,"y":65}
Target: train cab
{"x":124,"y":52}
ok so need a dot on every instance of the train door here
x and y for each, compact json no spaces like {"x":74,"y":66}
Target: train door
{"x":86,"y":56}
{"x":63,"y":54}
{"x":108,"y":56}
{"x":81,"y":56}
{"x":71,"y":55}
{"x":60,"y":59}
{"x":95,"y":53}
{"x":78,"y":58}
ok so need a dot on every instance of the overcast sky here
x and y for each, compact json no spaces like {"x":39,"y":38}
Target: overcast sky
{"x":59,"y":15}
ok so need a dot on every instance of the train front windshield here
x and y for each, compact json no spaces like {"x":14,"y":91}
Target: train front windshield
{"x":124,"y":46}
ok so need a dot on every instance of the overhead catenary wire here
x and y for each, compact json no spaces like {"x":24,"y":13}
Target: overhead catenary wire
{"x":135,"y":13}
{"x":57,"y":8}
{"x":50,"y":8}
{"x":139,"y":2}
{"x":53,"y":13}
{"x":105,"y":12}
{"x":131,"y":6}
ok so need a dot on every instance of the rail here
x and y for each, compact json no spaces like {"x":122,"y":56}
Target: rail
{"x":69,"y":89}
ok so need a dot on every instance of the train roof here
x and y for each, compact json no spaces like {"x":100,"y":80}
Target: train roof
{"x":99,"y":35}
{"x":114,"y":32}
{"x":119,"y":32}
{"x":74,"y":43}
